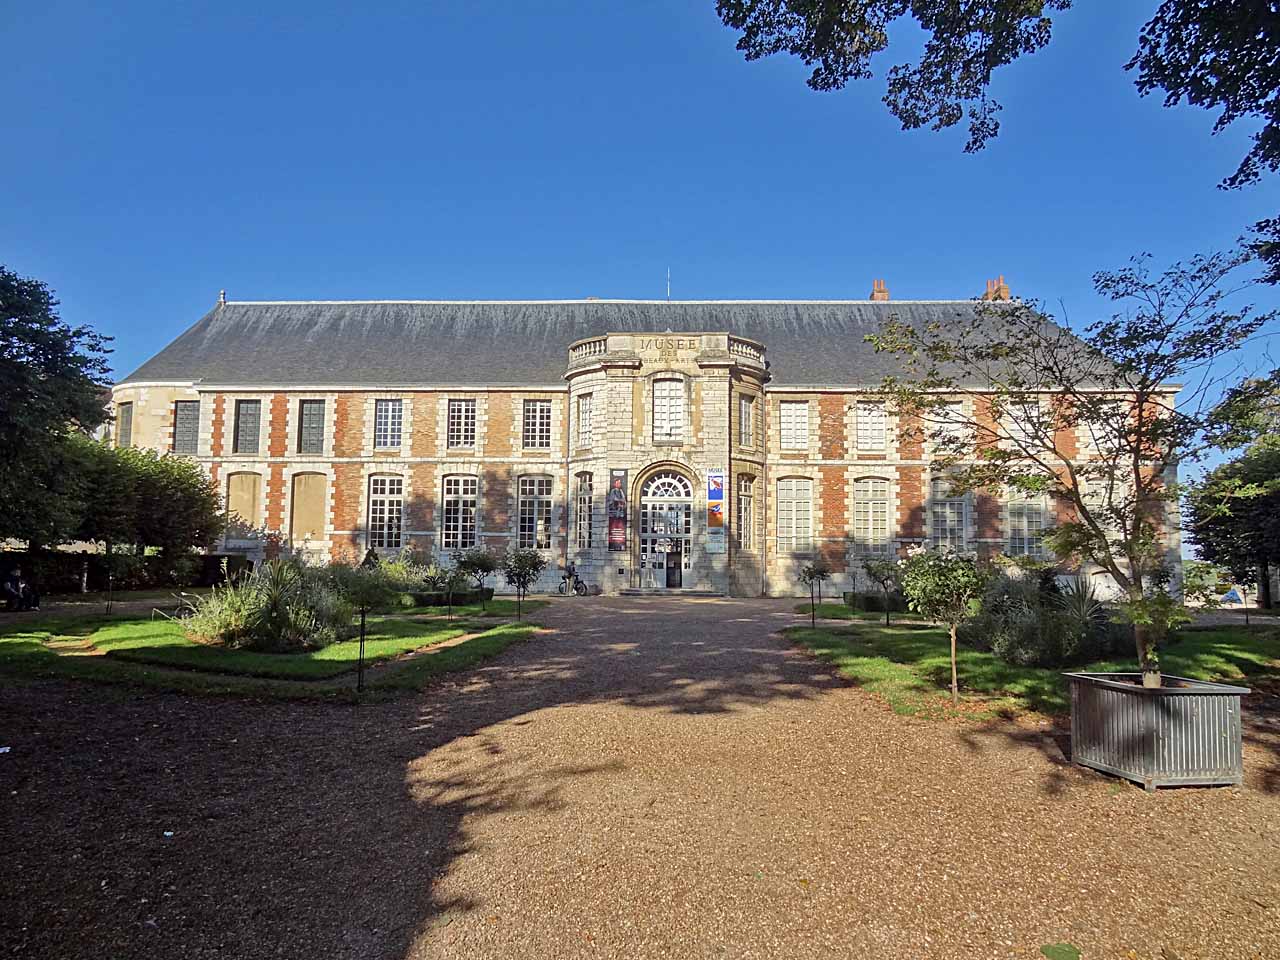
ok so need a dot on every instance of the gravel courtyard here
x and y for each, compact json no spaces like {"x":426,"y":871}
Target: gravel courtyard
{"x":651,"y":778}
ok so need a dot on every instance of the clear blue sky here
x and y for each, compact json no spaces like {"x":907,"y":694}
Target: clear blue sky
{"x":157,"y":152}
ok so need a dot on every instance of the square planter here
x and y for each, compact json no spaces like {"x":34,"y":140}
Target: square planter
{"x":1184,"y":733}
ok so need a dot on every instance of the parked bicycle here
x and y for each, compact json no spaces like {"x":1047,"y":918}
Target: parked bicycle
{"x":570,"y":581}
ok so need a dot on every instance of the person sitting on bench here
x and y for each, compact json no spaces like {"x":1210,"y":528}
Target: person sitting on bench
{"x":19,"y":593}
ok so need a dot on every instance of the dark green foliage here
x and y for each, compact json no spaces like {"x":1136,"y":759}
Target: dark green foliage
{"x":1031,"y":622}
{"x":873,"y":601}
{"x":966,"y":43}
{"x":1233,"y":515}
{"x":521,"y":569}
{"x":53,"y":379}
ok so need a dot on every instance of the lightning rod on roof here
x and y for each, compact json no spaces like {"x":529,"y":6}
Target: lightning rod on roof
{"x":668,"y":284}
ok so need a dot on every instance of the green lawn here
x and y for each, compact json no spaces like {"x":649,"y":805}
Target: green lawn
{"x":497,"y":607}
{"x":909,"y":665}
{"x":156,"y":654}
{"x":162,"y":642}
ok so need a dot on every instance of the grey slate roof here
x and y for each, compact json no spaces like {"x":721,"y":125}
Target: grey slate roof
{"x":408,"y":343}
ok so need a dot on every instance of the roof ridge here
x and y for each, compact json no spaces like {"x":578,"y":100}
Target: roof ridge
{"x":592,"y":300}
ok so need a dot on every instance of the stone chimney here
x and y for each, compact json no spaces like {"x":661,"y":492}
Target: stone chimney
{"x":997,"y":290}
{"x":879,"y":290}
{"x":222,"y":298}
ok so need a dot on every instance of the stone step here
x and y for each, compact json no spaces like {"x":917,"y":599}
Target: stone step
{"x":663,"y":592}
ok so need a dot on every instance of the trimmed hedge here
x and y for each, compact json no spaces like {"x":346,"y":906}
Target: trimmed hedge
{"x":55,"y":571}
{"x":872,"y":601}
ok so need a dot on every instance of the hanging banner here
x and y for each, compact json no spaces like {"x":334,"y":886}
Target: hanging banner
{"x":615,"y":508}
{"x":715,"y":511}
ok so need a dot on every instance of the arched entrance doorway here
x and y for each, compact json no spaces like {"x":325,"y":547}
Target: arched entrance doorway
{"x":666,"y":529}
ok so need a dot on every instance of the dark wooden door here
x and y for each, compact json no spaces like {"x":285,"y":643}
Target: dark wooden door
{"x":675,"y":565}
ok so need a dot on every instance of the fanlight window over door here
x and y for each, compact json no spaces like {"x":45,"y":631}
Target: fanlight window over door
{"x":666,"y":521}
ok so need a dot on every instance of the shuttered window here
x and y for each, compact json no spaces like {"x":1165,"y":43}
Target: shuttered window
{"x":311,"y":426}
{"x":186,"y":427}
{"x":793,"y":419}
{"x":795,"y":515}
{"x":746,"y":421}
{"x":248,"y":417}
{"x":124,"y":425}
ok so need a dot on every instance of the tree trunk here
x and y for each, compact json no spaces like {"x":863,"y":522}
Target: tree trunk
{"x":886,"y":607}
{"x":955,"y":685}
{"x":1147,"y":663}
{"x":1264,"y":587}
{"x":813,"y":610}
{"x":360,"y":665}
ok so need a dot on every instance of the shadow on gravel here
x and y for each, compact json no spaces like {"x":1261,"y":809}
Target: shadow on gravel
{"x":168,"y":826}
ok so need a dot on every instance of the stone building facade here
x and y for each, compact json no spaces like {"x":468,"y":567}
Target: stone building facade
{"x":658,"y":446}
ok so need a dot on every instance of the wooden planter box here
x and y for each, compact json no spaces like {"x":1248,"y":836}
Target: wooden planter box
{"x":1184,"y":733}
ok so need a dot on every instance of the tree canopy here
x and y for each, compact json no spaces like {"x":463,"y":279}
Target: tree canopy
{"x":1215,"y":54}
{"x":1018,"y":406}
{"x":53,"y":379}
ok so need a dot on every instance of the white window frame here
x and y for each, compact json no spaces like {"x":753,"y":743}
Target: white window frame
{"x":534,"y":493}
{"x":871,"y":425}
{"x":746,"y":518}
{"x":668,"y":411}
{"x":1023,"y":429}
{"x":536,"y":417}
{"x":388,"y":424}
{"x":795,"y":515}
{"x":585,"y":512}
{"x":948,"y":517}
{"x":746,"y":420}
{"x":871,"y":517}
{"x":460,"y":425}
{"x":585,"y":438}
{"x":950,"y":422}
{"x":1027,"y":519}
{"x":793,"y":424}
{"x":386,"y":511}
{"x":458,"y":516}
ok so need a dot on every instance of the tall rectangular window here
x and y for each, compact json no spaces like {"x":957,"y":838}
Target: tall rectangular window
{"x":871,"y":516}
{"x":746,"y":421}
{"x":535,"y":513}
{"x":537,"y":424}
{"x":585,"y":438}
{"x":462,"y":423}
{"x":946,"y":516}
{"x":950,"y":430}
{"x":585,"y":514}
{"x":746,"y":525}
{"x":460,"y":511}
{"x":248,"y":419}
{"x":1026,"y":527}
{"x":668,"y":411}
{"x":124,"y":424}
{"x":793,"y":417}
{"x":1024,"y":423}
{"x":386,"y":512}
{"x":311,"y":426}
{"x":870,"y":427}
{"x":186,"y":427}
{"x":388,"y":422}
{"x":795,"y":515}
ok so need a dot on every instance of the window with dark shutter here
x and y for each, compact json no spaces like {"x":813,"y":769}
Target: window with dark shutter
{"x":186,"y":427}
{"x":311,"y":426}
{"x":124,"y":424}
{"x":248,"y":415}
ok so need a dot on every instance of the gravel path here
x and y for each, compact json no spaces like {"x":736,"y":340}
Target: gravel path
{"x":659,"y":778}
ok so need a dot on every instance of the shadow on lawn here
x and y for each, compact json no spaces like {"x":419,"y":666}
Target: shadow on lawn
{"x":323,"y":830}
